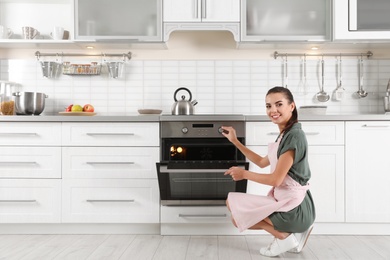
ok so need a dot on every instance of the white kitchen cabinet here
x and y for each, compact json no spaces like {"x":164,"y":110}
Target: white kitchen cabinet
{"x":115,"y":134}
{"x":30,"y":201}
{"x":326,"y":160}
{"x":109,"y":172}
{"x":367,"y":172}
{"x":118,"y":19}
{"x":110,"y":201}
{"x":201,"y":10}
{"x":110,"y":162}
{"x":361,"y":20}
{"x":284,"y":20}
{"x":30,"y":162}
{"x":206,"y":15}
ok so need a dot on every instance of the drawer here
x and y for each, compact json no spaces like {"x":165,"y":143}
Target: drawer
{"x":110,"y":134}
{"x":199,"y":214}
{"x":30,"y":201}
{"x":22,"y":133}
{"x":110,"y":162}
{"x":30,"y":162}
{"x":317,"y":133}
{"x":110,"y":201}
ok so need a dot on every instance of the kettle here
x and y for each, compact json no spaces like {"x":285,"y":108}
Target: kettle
{"x":183,"y":106}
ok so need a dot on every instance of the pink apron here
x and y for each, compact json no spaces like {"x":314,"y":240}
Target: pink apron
{"x":249,"y":209}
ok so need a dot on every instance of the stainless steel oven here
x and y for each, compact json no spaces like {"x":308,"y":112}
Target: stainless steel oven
{"x":194,"y":157}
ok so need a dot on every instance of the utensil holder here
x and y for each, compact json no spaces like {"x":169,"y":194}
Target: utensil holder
{"x":115,"y":69}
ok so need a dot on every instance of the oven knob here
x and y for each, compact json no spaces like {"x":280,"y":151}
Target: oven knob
{"x":184,"y":130}
{"x":220,"y":130}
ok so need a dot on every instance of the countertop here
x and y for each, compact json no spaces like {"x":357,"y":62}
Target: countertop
{"x":158,"y":118}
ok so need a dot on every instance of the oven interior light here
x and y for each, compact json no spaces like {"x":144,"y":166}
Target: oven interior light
{"x":179,"y":149}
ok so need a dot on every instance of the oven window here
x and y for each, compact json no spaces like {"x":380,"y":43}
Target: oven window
{"x":200,"y":149}
{"x":203,"y":186}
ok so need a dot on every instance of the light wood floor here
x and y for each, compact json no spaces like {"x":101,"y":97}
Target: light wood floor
{"x":108,"y":247}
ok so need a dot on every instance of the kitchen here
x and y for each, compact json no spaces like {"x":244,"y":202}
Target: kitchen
{"x":224,"y":75}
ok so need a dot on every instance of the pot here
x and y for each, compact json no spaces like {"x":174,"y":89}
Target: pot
{"x":183,"y":106}
{"x":29,"y":103}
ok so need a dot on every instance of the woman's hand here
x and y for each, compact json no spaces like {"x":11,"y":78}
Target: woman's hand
{"x":237,"y":173}
{"x":230,"y":133}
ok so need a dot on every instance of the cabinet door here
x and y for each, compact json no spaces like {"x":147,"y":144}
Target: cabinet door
{"x":284,"y":20}
{"x":367,"y":172}
{"x":110,"y":162}
{"x":327,"y":182}
{"x":114,"y":134}
{"x":201,"y":10}
{"x":118,"y":19}
{"x":182,"y":10}
{"x":30,"y":201}
{"x":110,"y":201}
{"x":254,"y":187}
{"x":221,"y":11}
{"x":375,"y":13}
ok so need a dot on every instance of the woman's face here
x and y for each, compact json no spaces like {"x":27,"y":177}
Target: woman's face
{"x":278,"y":108}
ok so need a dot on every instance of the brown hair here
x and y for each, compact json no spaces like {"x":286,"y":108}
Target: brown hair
{"x":288,"y":95}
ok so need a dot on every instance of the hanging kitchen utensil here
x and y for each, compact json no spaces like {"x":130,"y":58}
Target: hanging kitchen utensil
{"x":285,"y":72}
{"x":339,"y":92}
{"x":183,"y":106}
{"x":302,"y":83}
{"x":322,"y":96}
{"x":361,"y":92}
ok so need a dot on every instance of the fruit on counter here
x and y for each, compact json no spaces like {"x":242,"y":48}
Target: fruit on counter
{"x":69,"y":108}
{"x":77,"y":108}
{"x":88,"y":108}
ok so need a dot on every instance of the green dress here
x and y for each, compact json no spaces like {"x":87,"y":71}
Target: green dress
{"x":302,"y":217}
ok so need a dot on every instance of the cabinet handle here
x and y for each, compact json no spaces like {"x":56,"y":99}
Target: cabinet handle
{"x":204,"y":12}
{"x":376,"y":126}
{"x":18,"y":200}
{"x":273,"y":133}
{"x":92,"y":134}
{"x":109,"y":162}
{"x":9,"y":162}
{"x":196,"y":8}
{"x":312,"y":133}
{"x":18,"y":134}
{"x":202,"y":215}
{"x":110,"y":200}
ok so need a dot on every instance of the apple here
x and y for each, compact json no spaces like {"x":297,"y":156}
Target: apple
{"x":77,"y":108}
{"x":69,"y":108}
{"x":88,"y":108}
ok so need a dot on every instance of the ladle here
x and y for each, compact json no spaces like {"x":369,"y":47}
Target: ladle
{"x":361,"y":92}
{"x":322,"y":96}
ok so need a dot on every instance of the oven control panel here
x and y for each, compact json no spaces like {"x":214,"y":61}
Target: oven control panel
{"x":177,"y":129}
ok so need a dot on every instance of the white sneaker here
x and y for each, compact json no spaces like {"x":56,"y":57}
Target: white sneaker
{"x":279,"y":246}
{"x":302,"y":239}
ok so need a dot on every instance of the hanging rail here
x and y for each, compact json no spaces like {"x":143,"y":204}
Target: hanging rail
{"x":368,"y":54}
{"x":124,"y":55}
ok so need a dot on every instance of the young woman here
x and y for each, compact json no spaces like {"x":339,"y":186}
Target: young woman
{"x":287,"y":212}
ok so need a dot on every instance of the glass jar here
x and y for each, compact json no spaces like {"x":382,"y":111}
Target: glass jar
{"x":7,"y":103}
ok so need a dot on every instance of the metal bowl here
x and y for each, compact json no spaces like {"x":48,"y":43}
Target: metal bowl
{"x":29,"y":103}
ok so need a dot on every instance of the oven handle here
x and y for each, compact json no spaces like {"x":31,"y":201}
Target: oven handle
{"x":164,"y":169}
{"x":202,"y":215}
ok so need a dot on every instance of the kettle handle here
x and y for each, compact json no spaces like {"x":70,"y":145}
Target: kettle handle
{"x":177,"y":90}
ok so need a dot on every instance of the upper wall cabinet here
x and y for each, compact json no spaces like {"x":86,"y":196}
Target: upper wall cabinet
{"x":361,"y":20}
{"x":118,"y":20}
{"x":201,"y":10}
{"x":285,"y":20}
{"x":209,"y":15}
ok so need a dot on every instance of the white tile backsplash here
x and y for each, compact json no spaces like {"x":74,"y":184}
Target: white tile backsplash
{"x":220,"y":86}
